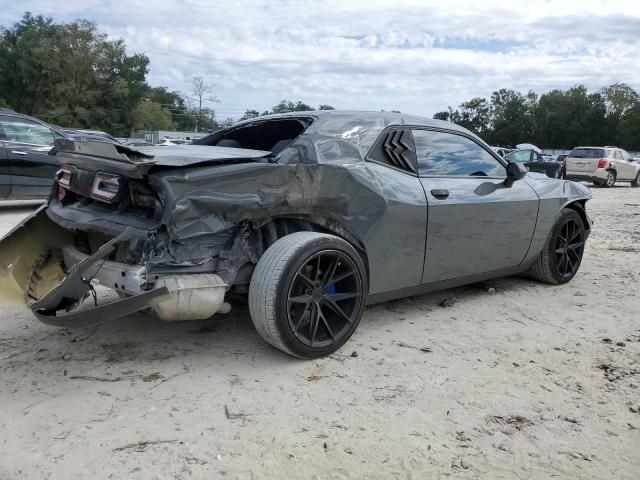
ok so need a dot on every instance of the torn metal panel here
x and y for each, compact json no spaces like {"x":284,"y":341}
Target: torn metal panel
{"x":24,"y":249}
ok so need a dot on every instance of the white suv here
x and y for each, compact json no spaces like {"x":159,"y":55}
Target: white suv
{"x":602,"y":165}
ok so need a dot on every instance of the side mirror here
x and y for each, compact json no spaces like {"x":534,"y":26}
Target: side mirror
{"x":514,"y":172}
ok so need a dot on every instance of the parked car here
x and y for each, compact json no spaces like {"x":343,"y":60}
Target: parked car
{"x":535,"y":162}
{"x":138,"y":143}
{"x":311,"y":215}
{"x":172,"y":141}
{"x":90,"y":134}
{"x":26,"y":168}
{"x":501,"y":150}
{"x":603,"y":166}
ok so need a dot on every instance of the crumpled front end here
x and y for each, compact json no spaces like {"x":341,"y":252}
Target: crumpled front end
{"x":41,"y":266}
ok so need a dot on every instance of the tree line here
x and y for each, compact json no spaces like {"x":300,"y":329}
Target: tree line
{"x":71,"y":75}
{"x":556,"y":119}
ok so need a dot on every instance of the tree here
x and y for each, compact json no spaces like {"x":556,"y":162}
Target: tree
{"x":619,"y":99}
{"x":152,"y":116}
{"x":512,"y":118}
{"x":476,"y":115}
{"x":250,"y":114}
{"x":628,"y":135}
{"x":288,"y":106}
{"x":69,"y":74}
{"x":325,"y":107}
{"x":444,"y":115}
{"x":202,"y":92}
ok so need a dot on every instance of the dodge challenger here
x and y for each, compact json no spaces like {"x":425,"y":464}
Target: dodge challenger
{"x":309,"y":216}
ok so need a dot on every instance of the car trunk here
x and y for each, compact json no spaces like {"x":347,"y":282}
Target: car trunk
{"x":103,"y":193}
{"x":104,"y":184}
{"x":585,"y":159}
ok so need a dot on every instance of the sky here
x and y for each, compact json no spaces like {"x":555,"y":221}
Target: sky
{"x":414,"y":56}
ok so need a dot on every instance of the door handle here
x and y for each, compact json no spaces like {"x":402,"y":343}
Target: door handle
{"x":440,"y":193}
{"x":19,"y":152}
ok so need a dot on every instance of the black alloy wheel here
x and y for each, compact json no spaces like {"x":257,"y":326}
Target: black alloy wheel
{"x":324,"y":299}
{"x":569,"y":247}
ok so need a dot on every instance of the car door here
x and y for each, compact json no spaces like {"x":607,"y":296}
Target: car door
{"x":27,"y":145}
{"x":5,"y":177}
{"x":626,"y":164}
{"x":475,"y":223}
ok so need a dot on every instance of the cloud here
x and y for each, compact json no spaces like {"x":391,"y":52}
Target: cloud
{"x":414,"y":56}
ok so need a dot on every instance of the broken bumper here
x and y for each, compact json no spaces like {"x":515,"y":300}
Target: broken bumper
{"x":40,"y":266}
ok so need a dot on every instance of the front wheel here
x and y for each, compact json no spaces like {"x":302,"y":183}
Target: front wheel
{"x":307,"y":294}
{"x":636,"y":182}
{"x":561,"y":256}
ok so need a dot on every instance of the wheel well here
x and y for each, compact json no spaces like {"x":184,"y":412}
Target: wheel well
{"x":280,"y":227}
{"x":579,"y":207}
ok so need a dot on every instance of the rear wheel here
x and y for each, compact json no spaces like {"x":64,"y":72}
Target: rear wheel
{"x":610,"y":180}
{"x":561,"y":256}
{"x":307,"y":294}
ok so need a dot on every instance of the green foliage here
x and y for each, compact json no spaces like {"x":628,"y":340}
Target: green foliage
{"x":288,"y":106}
{"x":557,"y":119}
{"x":250,"y":114}
{"x":151,"y":116}
{"x":70,"y":75}
{"x":628,"y":133}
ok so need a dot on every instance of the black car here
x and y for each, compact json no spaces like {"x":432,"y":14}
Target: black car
{"x":26,"y":167}
{"x":535,"y":162}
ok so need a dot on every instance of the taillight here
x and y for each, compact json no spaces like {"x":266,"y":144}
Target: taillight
{"x":105,"y":187}
{"x":64,"y":177}
{"x":602,"y":162}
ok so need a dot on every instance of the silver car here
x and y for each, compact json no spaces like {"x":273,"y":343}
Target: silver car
{"x":602,"y":165}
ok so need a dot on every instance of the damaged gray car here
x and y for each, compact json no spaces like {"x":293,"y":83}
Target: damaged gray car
{"x":309,"y":216}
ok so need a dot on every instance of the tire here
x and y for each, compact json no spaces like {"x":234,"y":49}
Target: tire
{"x":307,"y":294}
{"x":550,"y":267}
{"x":611,"y":179}
{"x":636,"y":183}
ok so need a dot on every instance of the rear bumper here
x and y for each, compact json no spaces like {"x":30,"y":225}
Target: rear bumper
{"x":40,"y":265}
{"x":599,"y":175}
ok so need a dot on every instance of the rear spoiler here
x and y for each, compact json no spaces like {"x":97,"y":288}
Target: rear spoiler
{"x":94,"y":148}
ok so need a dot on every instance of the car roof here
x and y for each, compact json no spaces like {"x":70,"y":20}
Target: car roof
{"x":391,"y":118}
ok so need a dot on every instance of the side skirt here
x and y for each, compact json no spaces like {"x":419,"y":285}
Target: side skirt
{"x":442,"y":285}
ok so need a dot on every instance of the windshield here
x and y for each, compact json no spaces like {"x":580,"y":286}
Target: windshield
{"x":519,"y":156}
{"x":588,"y":153}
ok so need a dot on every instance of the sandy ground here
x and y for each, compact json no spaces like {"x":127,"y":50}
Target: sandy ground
{"x":514,"y":380}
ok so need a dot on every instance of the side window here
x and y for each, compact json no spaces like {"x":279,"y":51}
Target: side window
{"x":21,"y":130}
{"x":625,"y":155}
{"x":441,"y":153}
{"x":396,"y":149}
{"x":617,"y":155}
